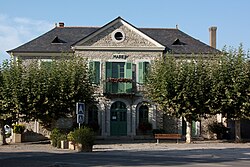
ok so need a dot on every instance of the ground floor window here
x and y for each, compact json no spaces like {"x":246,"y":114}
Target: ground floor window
{"x":93,"y":118}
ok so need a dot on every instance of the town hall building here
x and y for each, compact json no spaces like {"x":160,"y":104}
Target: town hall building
{"x":119,"y":56}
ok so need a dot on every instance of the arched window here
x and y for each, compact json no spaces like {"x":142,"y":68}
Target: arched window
{"x":93,"y":117}
{"x":143,"y":114}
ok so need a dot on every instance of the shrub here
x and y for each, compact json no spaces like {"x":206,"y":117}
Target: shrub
{"x":18,"y":128}
{"x":158,"y":131}
{"x":84,"y":136}
{"x":219,"y":129}
{"x":56,"y":137}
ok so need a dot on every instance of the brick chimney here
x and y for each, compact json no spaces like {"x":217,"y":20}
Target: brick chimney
{"x":212,"y":36}
{"x":61,"y":24}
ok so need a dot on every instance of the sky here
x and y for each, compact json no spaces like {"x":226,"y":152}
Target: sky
{"x":24,"y":20}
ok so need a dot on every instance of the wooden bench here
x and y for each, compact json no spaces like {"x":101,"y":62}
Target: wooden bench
{"x":167,"y":136}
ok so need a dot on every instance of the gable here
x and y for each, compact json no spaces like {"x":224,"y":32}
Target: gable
{"x":118,"y":34}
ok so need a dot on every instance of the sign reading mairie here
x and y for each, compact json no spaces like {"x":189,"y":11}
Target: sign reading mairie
{"x":120,"y":56}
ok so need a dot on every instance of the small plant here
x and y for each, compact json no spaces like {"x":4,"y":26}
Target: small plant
{"x":85,"y":137}
{"x":218,"y":128}
{"x":56,"y":137}
{"x":18,"y":128}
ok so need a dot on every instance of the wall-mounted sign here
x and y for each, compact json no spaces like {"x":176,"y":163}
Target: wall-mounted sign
{"x":120,"y":56}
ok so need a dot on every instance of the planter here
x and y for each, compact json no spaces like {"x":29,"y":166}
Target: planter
{"x":85,"y":148}
{"x":71,"y":145}
{"x":64,"y":144}
{"x":17,"y":138}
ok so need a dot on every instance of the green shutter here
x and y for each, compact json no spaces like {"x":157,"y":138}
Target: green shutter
{"x":97,"y":72}
{"x":108,"y":70}
{"x":143,"y":70}
{"x":94,"y":67}
{"x":128,"y":74}
{"x":108,"y":74}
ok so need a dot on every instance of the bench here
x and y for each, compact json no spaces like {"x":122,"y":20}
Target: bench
{"x":167,"y":136}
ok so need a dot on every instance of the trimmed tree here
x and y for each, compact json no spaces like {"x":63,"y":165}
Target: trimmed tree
{"x":231,"y":89}
{"x":181,"y":87}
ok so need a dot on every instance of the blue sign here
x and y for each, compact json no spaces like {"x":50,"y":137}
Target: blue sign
{"x":80,"y":118}
{"x":80,"y":108}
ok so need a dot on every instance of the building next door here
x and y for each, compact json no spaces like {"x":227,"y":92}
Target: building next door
{"x":118,"y":119}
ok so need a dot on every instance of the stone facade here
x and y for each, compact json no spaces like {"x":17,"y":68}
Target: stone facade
{"x":105,"y":38}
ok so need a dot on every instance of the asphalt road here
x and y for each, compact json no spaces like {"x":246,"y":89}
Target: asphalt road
{"x":147,"y":154}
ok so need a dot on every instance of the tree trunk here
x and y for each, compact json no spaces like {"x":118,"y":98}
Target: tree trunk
{"x":237,"y":131}
{"x":188,"y":131}
{"x":2,"y":134}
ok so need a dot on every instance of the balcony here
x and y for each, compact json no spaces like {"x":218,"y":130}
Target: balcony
{"x":121,"y":87}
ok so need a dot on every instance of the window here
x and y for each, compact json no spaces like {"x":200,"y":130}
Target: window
{"x":46,"y":63}
{"x":178,"y":42}
{"x":143,"y":114}
{"x":119,"y":77}
{"x":94,"y":67}
{"x":143,"y":71}
{"x":57,"y":40}
{"x":118,"y":35}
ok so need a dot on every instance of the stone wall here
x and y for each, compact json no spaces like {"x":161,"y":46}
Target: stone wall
{"x":131,"y":38}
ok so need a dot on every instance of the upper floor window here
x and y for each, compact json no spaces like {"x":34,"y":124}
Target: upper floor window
{"x":118,"y":35}
{"x":94,"y":67}
{"x":143,"y":72}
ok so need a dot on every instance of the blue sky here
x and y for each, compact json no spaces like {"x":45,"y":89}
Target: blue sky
{"x":21,"y":21}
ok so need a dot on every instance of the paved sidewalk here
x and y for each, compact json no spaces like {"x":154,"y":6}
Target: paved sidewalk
{"x":45,"y":147}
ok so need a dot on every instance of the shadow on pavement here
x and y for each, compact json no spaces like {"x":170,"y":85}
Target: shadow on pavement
{"x":200,"y":157}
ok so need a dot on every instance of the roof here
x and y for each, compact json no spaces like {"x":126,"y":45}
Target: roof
{"x":68,"y":36}
{"x":60,"y":39}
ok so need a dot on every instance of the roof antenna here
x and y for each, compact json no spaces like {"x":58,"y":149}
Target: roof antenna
{"x":177,"y":26}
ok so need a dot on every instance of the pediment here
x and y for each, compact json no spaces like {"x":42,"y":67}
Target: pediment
{"x":118,"y":34}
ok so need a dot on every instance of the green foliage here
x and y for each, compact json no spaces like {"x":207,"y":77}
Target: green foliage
{"x":43,"y":91}
{"x":84,"y":136}
{"x":56,"y":137}
{"x":217,"y":128}
{"x":231,"y":89}
{"x":181,"y":86}
{"x":18,"y":128}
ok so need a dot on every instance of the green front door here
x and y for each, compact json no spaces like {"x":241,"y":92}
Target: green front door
{"x":118,"y":119}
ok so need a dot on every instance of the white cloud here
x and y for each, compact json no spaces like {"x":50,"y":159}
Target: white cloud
{"x":17,"y":31}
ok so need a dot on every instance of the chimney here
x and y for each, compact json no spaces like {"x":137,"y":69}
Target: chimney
{"x":61,"y":24}
{"x":212,"y":36}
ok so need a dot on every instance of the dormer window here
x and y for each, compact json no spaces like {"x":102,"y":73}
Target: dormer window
{"x":57,"y":40}
{"x":178,"y":42}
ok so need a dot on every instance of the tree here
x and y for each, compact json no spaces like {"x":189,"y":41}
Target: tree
{"x":10,"y":86}
{"x":180,"y":86}
{"x":231,"y":89}
{"x":43,"y":91}
{"x":56,"y":87}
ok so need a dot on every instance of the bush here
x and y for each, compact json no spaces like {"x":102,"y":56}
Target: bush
{"x":18,"y":128}
{"x":158,"y":131}
{"x":56,"y":137}
{"x":84,"y":136}
{"x":219,"y":129}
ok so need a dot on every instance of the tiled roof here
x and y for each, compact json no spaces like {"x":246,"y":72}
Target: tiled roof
{"x":43,"y":43}
{"x":63,"y":38}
